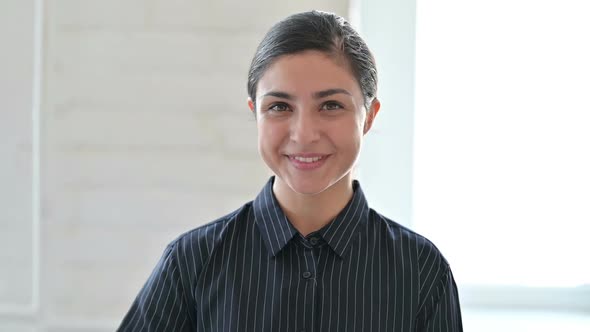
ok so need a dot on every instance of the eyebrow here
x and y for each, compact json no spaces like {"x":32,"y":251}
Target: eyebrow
{"x":316,"y":95}
{"x":329,"y":92}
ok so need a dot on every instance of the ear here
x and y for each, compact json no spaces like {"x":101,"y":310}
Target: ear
{"x":371,"y":114}
{"x":251,"y":105}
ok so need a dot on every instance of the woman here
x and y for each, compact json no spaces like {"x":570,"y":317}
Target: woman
{"x":307,"y":254}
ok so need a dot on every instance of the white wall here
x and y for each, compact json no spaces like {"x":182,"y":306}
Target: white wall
{"x":16,"y":190}
{"x":385,"y":166}
{"x":144,"y":134}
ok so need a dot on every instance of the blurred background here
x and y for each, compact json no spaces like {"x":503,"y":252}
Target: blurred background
{"x":124,"y":124}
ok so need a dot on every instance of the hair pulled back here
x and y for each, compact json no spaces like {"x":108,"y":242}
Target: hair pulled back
{"x":320,"y":31}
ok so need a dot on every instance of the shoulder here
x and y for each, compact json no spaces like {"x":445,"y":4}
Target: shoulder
{"x":421,"y":259}
{"x":424,"y":254}
{"x":194,"y":248}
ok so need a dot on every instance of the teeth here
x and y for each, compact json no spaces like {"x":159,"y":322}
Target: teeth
{"x":307,"y":160}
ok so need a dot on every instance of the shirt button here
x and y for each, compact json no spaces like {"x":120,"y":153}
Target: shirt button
{"x":306,"y":275}
{"x":313,"y":241}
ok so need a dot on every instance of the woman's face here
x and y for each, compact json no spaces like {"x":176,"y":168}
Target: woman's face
{"x":311,"y":120}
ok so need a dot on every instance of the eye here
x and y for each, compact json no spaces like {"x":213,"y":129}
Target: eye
{"x":331,"y":106}
{"x":278,"y":107}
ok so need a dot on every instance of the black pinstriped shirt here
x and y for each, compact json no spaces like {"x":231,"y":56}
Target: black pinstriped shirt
{"x":252,"y":271}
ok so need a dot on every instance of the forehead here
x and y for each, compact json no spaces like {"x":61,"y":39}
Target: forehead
{"x":308,"y":72}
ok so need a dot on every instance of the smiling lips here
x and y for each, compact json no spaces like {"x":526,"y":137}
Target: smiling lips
{"x":307,"y":161}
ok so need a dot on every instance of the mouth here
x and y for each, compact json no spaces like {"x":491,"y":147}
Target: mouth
{"x":307,"y":161}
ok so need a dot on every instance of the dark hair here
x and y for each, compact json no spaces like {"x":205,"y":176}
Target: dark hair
{"x":321,"y":31}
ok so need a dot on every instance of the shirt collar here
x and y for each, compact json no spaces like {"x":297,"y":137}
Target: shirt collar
{"x":272,"y":223}
{"x":340,"y":232}
{"x":276,"y":230}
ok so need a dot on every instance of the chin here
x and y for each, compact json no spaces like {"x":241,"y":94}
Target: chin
{"x":307,"y":190}
{"x":302,"y":186}
{"x":309,"y":186}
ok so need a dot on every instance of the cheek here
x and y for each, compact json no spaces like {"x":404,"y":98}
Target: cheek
{"x":349,"y":133}
{"x":269,"y":135}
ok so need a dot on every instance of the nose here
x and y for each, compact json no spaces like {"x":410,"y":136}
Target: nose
{"x":305,"y":128}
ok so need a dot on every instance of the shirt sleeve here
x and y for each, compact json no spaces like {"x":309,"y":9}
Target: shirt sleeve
{"x":442,"y":312}
{"x":162,"y":304}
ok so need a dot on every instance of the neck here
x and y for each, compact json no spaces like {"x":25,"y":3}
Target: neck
{"x":309,"y":213}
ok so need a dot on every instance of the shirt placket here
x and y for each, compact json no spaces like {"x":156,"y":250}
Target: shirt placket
{"x":310,"y":280}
